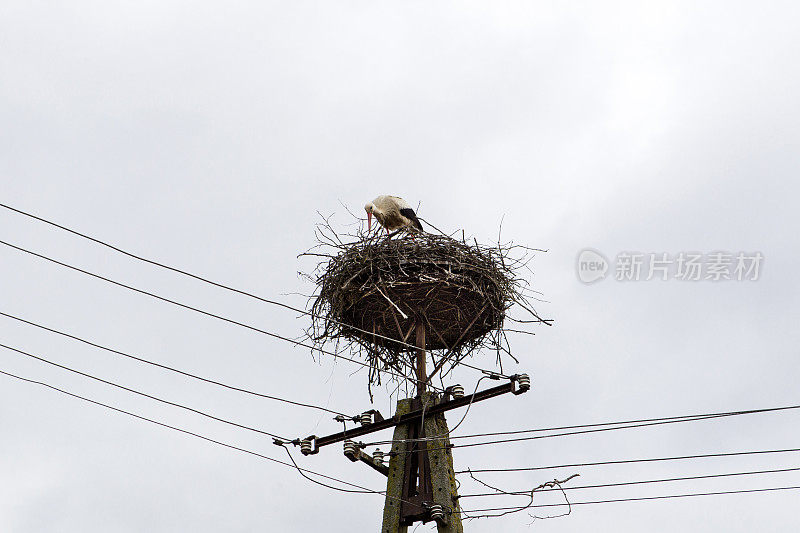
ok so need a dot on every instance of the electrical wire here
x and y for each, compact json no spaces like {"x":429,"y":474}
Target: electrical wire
{"x":201,"y":311}
{"x":143,"y":394}
{"x":628,"y":461}
{"x":469,"y":405}
{"x":186,"y":432}
{"x":172,"y":369}
{"x":273,"y":302}
{"x":300,"y":470}
{"x":271,"y":459}
{"x":628,"y":483}
{"x":677,"y":418}
{"x":215,"y":283}
{"x":665,"y":497}
{"x":293,"y":464}
{"x":198,"y":277}
{"x":639,"y":423}
{"x":586,"y":431}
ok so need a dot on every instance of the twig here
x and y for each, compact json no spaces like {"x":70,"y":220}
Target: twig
{"x":405,"y":316}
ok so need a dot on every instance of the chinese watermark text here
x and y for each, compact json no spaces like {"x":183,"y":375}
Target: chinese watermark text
{"x":593,"y":266}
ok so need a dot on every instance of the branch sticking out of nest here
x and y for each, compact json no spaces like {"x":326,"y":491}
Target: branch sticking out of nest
{"x":372,"y":291}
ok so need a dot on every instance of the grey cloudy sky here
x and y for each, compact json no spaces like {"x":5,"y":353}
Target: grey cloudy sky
{"x":207,"y":135}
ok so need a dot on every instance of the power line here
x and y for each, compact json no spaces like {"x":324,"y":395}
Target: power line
{"x":669,"y":496}
{"x":201,"y":278}
{"x":626,"y":461}
{"x":218,"y":284}
{"x":187,"y":432}
{"x":300,"y":471}
{"x":677,"y":418}
{"x":582,"y":432}
{"x":627,"y":483}
{"x":201,"y":311}
{"x":195,"y":276}
{"x":171,"y":369}
{"x":293,"y":464}
{"x":144,"y":394}
{"x":667,"y":419}
{"x":262,"y":456}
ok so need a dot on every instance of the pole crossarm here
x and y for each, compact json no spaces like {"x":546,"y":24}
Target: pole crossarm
{"x":358,"y":455}
{"x":311,"y":444}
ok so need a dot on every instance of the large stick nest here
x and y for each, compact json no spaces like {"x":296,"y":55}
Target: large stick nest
{"x":372,"y":293}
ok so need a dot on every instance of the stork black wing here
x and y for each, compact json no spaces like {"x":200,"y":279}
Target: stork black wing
{"x":412,"y":216}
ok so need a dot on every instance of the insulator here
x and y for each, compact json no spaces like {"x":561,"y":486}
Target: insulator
{"x":366,"y":418}
{"x":377,"y":457}
{"x":350,"y":448}
{"x":437,"y":513}
{"x":457,"y":391}
{"x":524,"y":382}
{"x":305,"y":446}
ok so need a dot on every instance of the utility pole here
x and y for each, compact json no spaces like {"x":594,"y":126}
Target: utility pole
{"x":421,"y":484}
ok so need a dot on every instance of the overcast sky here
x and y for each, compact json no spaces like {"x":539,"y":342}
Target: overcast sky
{"x":208,"y":135}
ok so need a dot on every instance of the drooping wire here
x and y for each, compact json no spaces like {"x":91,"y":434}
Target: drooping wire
{"x":143,"y":394}
{"x":628,"y":461}
{"x":171,"y":369}
{"x":300,"y":471}
{"x":471,"y":399}
{"x":201,"y":311}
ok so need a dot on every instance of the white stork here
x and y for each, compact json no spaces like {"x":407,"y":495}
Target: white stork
{"x":392,"y":212}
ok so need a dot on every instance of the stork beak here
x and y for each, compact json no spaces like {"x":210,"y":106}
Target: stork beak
{"x":369,"y":222}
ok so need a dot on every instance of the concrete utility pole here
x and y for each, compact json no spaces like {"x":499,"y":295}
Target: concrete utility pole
{"x":421,"y":482}
{"x":439,"y":467}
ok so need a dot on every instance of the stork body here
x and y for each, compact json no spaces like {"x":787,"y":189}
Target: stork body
{"x":392,"y":212}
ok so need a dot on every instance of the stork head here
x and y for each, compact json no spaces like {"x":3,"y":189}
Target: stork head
{"x":370,"y":209}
